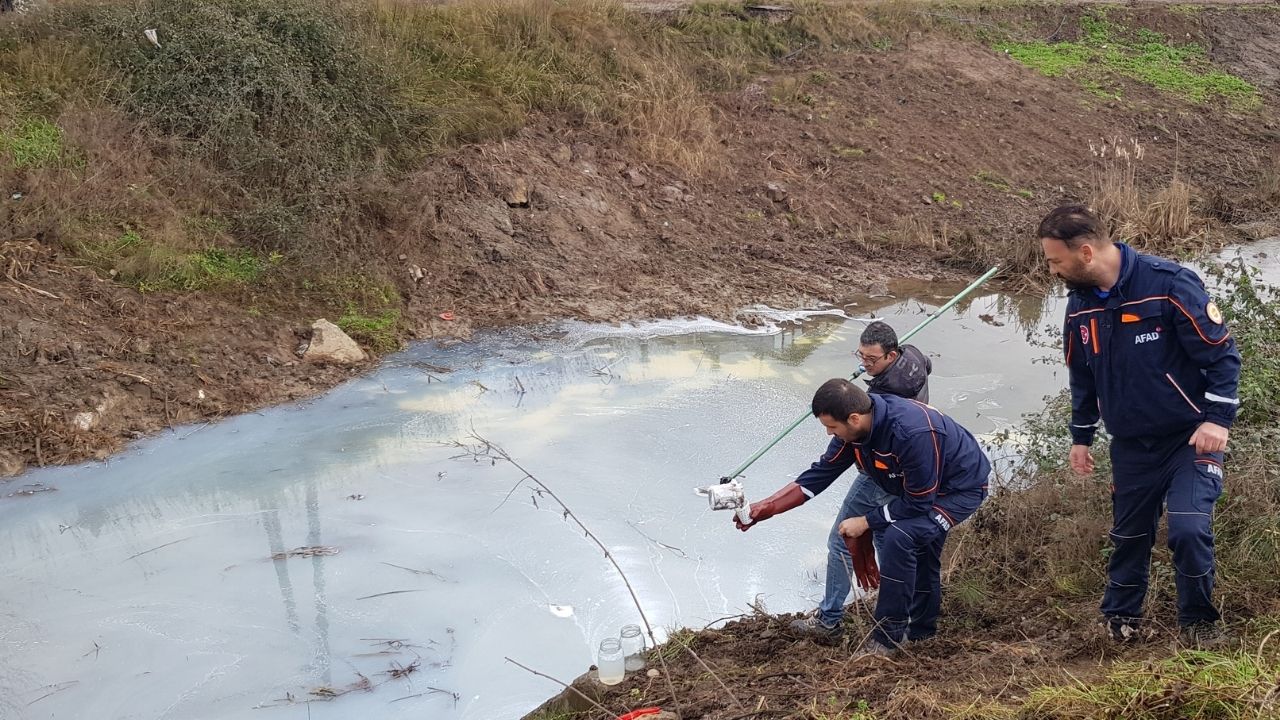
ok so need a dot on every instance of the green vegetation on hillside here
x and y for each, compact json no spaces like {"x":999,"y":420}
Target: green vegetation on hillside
{"x":1107,"y":49}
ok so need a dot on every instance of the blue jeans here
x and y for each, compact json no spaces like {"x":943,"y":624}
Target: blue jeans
{"x":864,"y":496}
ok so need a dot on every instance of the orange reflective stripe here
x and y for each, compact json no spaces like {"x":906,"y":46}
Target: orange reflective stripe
{"x":937,"y":455}
{"x":1093,"y":326}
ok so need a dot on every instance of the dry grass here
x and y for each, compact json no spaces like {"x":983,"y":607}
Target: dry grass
{"x":1164,"y":219}
{"x":1269,"y":181}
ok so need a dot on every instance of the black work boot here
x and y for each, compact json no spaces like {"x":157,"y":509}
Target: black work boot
{"x":1123,"y":630}
{"x":811,"y":627}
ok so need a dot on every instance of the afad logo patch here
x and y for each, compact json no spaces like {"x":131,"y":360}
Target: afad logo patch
{"x":1147,"y":337}
{"x":1084,"y":335}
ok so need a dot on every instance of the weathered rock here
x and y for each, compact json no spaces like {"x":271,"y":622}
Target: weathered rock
{"x":518,"y":195}
{"x":330,"y":345}
{"x":635,"y":178}
{"x":562,"y":155}
{"x":672,"y":193}
{"x":775,"y":192}
{"x":878,"y":290}
{"x":10,"y":464}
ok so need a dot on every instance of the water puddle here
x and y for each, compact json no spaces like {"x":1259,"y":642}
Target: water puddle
{"x":363,"y":555}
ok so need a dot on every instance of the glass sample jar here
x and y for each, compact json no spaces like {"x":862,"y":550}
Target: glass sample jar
{"x":610,"y":664}
{"x":632,"y":647}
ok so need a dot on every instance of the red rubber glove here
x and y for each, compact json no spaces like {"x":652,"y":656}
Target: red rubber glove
{"x":785,"y":499}
{"x":865,"y":570}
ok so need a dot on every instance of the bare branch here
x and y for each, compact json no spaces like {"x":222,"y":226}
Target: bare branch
{"x":562,"y":684}
{"x":158,"y":547}
{"x":494,"y":450}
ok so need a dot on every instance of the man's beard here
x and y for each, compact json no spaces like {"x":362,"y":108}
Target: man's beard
{"x":1077,"y":283}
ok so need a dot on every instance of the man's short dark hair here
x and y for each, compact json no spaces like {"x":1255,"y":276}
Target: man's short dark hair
{"x":839,"y":399}
{"x":1074,"y":225}
{"x":879,"y":333}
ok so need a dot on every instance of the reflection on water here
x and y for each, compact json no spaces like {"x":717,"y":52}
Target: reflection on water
{"x":146,"y":588}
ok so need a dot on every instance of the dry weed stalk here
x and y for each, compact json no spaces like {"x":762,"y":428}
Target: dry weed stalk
{"x":1148,"y":221}
{"x":488,"y":449}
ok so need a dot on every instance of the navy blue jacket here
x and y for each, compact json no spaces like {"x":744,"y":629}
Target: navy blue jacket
{"x":914,"y":453}
{"x":1152,"y":359}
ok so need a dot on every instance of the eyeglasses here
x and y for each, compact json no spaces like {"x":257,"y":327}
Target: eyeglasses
{"x":868,"y":360}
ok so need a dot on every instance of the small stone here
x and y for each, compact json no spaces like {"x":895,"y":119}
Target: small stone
{"x":775,"y":192}
{"x":518,"y":196}
{"x":403,"y":257}
{"x":672,"y":193}
{"x":635,"y":178}
{"x":562,"y":155}
{"x":653,"y":673}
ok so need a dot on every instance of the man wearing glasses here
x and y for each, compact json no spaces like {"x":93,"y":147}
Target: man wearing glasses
{"x":895,"y":370}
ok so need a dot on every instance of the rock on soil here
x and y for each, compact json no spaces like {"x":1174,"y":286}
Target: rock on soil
{"x":330,"y":345}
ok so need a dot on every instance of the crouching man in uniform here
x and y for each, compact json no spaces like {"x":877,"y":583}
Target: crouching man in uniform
{"x":935,"y":474}
{"x":1150,"y":356}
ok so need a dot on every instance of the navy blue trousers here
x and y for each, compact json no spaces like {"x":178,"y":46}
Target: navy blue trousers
{"x":1151,"y":476}
{"x":911,"y":569}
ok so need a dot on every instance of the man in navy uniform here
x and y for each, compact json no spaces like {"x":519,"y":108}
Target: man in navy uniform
{"x":935,"y":475}
{"x":893,"y":369}
{"x":1148,"y":355}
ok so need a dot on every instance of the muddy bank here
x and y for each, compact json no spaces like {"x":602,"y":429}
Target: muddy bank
{"x":925,"y":159}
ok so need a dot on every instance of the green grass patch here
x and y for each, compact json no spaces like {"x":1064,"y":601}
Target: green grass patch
{"x":1107,"y":49}
{"x":133,"y":259}
{"x":35,"y":143}
{"x":379,"y":332}
{"x":1191,"y":685}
